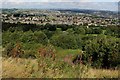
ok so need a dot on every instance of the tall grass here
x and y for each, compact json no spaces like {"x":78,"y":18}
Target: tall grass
{"x":28,"y":68}
{"x":0,"y":66}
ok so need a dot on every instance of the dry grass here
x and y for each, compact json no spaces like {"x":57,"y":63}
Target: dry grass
{"x":0,"y":61}
{"x":24,"y":68}
{"x":17,"y":67}
{"x":102,"y":73}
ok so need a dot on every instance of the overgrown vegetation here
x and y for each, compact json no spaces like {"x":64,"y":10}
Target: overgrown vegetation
{"x":94,"y":46}
{"x":27,"y":68}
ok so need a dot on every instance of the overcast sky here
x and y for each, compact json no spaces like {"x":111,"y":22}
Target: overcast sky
{"x":111,"y":5}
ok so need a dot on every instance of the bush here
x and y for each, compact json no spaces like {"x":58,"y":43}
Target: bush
{"x":47,"y":51}
{"x":17,"y":51}
{"x":6,"y":38}
{"x":88,"y":31}
{"x":45,"y":55}
{"x":104,"y":51}
{"x":40,"y":37}
{"x":15,"y":36}
{"x":8,"y":49}
{"x":13,"y":50}
{"x":30,"y":54}
{"x":79,"y":30}
{"x":27,"y":37}
{"x":96,"y":31}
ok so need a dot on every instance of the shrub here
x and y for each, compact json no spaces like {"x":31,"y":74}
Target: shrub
{"x":15,"y":36}
{"x":8,"y":49}
{"x":13,"y":50}
{"x":29,"y":54}
{"x":104,"y":51}
{"x":45,"y":55}
{"x":88,"y":31}
{"x":17,"y":50}
{"x":47,"y":51}
{"x":27,"y":37}
{"x":40,"y":37}
{"x":96,"y":31}
{"x":6,"y":38}
{"x":79,"y":30}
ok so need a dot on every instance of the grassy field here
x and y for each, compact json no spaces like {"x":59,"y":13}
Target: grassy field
{"x":28,"y":68}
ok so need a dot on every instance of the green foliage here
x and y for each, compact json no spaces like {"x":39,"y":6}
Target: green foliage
{"x":58,"y":31}
{"x":96,"y":30}
{"x":27,"y":37}
{"x":40,"y":37}
{"x":48,"y":33}
{"x":29,"y":54}
{"x":12,"y":37}
{"x":15,"y":36}
{"x":70,"y":31}
{"x":5,"y":38}
{"x":113,"y":31}
{"x":8,"y":49}
{"x":66,"y":41}
{"x":88,"y":30}
{"x":79,"y":30}
{"x":103,"y":50}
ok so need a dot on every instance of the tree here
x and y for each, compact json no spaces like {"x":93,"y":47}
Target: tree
{"x":40,"y":37}
{"x":79,"y":30}
{"x":70,"y":31}
{"x":66,"y":41}
{"x":88,"y":30}
{"x":27,"y":37}
{"x":104,"y":51}
{"x":15,"y":36}
{"x":96,"y":31}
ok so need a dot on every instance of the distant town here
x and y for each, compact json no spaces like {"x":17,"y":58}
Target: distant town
{"x":69,"y":17}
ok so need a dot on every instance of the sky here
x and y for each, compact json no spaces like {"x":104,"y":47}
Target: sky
{"x":111,"y":5}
